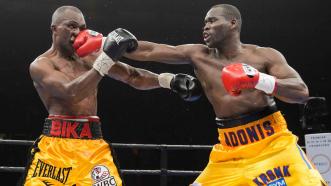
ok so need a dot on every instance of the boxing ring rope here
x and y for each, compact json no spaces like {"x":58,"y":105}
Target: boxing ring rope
{"x":163,"y":171}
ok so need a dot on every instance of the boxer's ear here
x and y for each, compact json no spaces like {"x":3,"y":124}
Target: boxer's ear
{"x":53,"y":28}
{"x":234,"y":23}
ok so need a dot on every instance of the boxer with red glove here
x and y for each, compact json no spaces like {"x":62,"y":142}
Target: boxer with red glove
{"x":239,"y":76}
{"x":114,"y":45}
{"x":119,"y":41}
{"x":87,"y":42}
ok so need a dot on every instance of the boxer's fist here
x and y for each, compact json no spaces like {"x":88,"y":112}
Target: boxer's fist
{"x":186,"y":86}
{"x":118,"y":42}
{"x":87,"y":42}
{"x":239,"y":76}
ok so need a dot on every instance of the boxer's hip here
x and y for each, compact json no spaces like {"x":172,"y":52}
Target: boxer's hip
{"x":249,"y":135}
{"x":67,"y":161}
{"x":73,"y":127}
{"x":250,"y":128}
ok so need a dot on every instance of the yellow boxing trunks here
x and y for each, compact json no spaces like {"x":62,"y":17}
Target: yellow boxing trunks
{"x":257,"y":150}
{"x":71,"y":152}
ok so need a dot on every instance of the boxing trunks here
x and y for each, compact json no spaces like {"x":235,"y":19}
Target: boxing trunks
{"x":71,"y":152}
{"x":257,"y":150}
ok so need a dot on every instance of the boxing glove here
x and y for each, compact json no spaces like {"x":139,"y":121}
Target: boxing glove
{"x":87,"y":42}
{"x":186,"y":86}
{"x":114,"y":45}
{"x":239,"y":76}
{"x":118,"y":42}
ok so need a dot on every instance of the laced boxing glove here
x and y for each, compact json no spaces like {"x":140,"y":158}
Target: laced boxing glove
{"x":118,"y":42}
{"x":186,"y":86}
{"x":114,"y":45}
{"x":239,"y":76}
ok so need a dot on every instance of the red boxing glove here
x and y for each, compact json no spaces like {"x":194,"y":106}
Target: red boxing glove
{"x":239,"y":76}
{"x":87,"y":42}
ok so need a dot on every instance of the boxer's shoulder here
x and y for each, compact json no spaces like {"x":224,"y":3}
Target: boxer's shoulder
{"x":41,"y":66}
{"x":44,"y":58}
{"x":41,"y":62}
{"x":198,"y":48}
{"x":262,"y":51}
{"x":257,"y":53}
{"x":195,"y":50}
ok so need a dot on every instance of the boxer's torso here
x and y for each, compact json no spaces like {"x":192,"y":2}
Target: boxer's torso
{"x":208,"y":66}
{"x":70,"y":69}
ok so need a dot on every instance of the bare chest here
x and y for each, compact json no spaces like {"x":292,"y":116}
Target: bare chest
{"x":209,"y":69}
{"x":71,"y":70}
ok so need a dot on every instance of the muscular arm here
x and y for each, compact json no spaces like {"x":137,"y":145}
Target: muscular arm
{"x":186,"y":86}
{"x":148,"y":51}
{"x":138,"y":78}
{"x":59,"y":85}
{"x":290,"y":87}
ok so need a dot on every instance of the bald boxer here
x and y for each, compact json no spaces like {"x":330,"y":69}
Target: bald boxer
{"x":241,"y":81}
{"x":71,"y":150}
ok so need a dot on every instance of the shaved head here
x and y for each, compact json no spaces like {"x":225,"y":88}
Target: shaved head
{"x":61,"y":13}
{"x":230,"y":12}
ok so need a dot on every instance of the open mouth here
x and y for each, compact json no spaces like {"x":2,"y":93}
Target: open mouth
{"x":206,"y":36}
{"x":72,"y":40}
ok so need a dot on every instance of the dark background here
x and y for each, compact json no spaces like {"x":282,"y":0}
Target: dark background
{"x":300,"y":29}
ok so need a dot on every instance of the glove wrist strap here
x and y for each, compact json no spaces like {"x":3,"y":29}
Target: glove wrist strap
{"x":103,"y":63}
{"x":165,"y":80}
{"x":266,"y":83}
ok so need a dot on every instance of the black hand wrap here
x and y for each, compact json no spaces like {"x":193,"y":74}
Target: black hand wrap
{"x":118,"y":42}
{"x":186,"y":86}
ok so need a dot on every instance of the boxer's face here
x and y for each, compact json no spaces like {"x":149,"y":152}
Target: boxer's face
{"x":217,"y":28}
{"x":68,"y":27}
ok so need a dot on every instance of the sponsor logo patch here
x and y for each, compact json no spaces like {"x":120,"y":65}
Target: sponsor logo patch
{"x":273,"y":177}
{"x":114,"y":35}
{"x":249,"y":70}
{"x":43,"y":169}
{"x":47,"y":183}
{"x":101,"y":176}
{"x":93,"y":33}
{"x":280,"y":182}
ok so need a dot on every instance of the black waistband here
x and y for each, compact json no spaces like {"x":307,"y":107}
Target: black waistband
{"x":72,"y":128}
{"x":245,"y":118}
